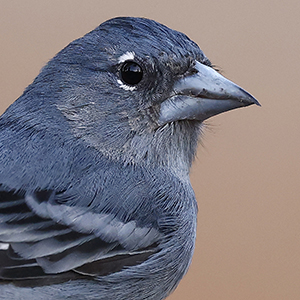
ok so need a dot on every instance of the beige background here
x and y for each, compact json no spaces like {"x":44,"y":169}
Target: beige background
{"x":246,"y":176}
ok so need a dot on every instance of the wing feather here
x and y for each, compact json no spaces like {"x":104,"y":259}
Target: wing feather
{"x":57,"y":241}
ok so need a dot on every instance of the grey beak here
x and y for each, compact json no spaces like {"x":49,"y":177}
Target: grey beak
{"x":203,"y":95}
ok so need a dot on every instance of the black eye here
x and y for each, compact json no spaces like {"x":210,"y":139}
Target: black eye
{"x":131,"y":73}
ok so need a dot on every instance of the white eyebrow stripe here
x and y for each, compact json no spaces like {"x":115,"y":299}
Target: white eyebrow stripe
{"x":126,"y":56}
{"x":126,"y":87}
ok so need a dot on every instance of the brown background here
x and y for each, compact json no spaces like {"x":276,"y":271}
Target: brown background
{"x":246,"y":176}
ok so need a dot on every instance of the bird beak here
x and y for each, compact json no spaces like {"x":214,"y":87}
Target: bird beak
{"x":203,"y":95}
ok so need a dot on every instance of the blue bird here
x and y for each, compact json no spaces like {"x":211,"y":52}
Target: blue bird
{"x":95,"y":196}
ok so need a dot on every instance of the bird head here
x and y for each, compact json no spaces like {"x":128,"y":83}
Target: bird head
{"x":138,"y":91}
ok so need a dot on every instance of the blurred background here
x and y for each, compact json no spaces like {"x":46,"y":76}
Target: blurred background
{"x":246,"y":175}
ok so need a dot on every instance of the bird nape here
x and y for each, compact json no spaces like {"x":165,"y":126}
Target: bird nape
{"x":95,"y":196}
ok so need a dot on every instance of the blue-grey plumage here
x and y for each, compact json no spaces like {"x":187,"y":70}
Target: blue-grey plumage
{"x":95,"y":197}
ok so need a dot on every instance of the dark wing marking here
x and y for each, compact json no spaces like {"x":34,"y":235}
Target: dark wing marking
{"x":51,"y":243}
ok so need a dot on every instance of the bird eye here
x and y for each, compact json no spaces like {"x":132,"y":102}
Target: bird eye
{"x":131,"y":73}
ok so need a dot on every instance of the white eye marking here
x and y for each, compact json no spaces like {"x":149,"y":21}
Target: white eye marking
{"x":126,"y":56}
{"x":126,"y":87}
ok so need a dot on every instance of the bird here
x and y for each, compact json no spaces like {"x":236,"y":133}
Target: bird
{"x":95,"y":156}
